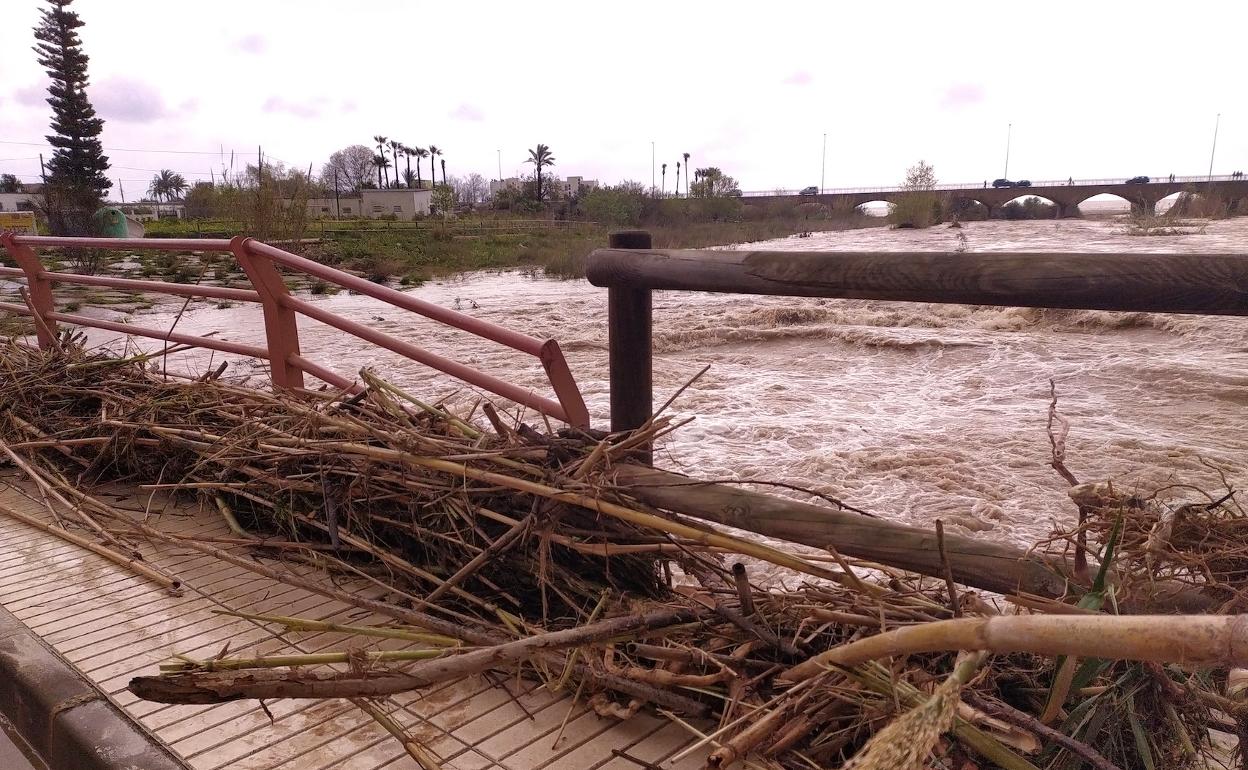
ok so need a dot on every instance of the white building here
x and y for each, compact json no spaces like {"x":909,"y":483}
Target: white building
{"x":575,"y":185}
{"x":571,"y":187}
{"x":147,"y":211}
{"x":23,"y":201}
{"x":510,"y":183}
{"x":373,"y":204}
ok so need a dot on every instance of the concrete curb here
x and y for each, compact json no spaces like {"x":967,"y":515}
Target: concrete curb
{"x":64,"y":717}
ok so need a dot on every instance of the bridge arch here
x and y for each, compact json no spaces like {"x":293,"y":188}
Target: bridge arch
{"x":875,"y":208}
{"x":1091,"y":199}
{"x":1032,"y":206}
{"x":969,"y":208}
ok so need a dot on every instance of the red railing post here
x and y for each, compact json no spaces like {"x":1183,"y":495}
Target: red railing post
{"x":281,"y":329}
{"x":38,"y":288}
{"x":561,"y":380}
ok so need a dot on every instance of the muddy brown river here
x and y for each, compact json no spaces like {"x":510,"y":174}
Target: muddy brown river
{"x":910,"y":411}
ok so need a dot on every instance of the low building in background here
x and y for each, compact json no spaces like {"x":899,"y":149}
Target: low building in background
{"x":510,"y":183}
{"x":29,"y":199}
{"x":552,"y":185}
{"x":575,"y":185}
{"x":147,"y":211}
{"x":402,"y":203}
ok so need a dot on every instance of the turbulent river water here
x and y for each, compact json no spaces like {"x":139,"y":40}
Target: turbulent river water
{"x":913,"y":412}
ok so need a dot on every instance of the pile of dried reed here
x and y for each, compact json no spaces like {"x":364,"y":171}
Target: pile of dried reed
{"x":508,"y":548}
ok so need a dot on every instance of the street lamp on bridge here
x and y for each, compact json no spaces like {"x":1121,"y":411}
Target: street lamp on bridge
{"x":1217,"y":121}
{"x":1008,"y":130}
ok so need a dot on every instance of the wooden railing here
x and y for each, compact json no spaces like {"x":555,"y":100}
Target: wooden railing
{"x":260,"y":262}
{"x":1209,"y":284}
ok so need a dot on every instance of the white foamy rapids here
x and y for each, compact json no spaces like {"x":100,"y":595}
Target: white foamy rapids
{"x":914,"y":412}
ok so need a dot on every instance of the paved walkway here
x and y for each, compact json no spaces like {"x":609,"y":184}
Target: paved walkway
{"x":112,"y":625}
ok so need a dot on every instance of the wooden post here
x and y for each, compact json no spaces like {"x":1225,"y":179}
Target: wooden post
{"x":280,"y":329}
{"x":38,"y":287}
{"x":631,"y":363}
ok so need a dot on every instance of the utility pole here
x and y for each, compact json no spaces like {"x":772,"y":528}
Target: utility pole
{"x":42,"y":173}
{"x":1008,"y":131}
{"x":1216,"y":123}
{"x":652,"y":190}
{"x":500,"y":166}
{"x":823,"y":165}
{"x":337,"y":202}
{"x":122,"y":187}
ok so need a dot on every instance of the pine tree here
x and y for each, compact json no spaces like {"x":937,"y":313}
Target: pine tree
{"x":75,"y":175}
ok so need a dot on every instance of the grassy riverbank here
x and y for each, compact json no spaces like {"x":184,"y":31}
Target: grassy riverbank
{"x":414,"y":252}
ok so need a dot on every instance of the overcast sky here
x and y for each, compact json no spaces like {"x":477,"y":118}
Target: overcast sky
{"x":1092,"y":88}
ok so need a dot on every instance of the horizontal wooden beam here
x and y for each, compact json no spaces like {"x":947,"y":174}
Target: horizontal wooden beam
{"x":982,"y":564}
{"x":1211,"y":284}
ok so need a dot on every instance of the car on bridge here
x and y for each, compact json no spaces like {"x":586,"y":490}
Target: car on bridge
{"x":1002,"y":183}
{"x":1138,"y":180}
{"x":812,"y":190}
{"x":1023,"y":183}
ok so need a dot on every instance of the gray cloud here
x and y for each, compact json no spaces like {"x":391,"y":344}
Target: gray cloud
{"x":254,"y":43}
{"x":961,"y":95}
{"x":467,"y":111}
{"x":799,"y":78}
{"x":32,"y":95}
{"x":127,"y":100}
{"x":300,"y":109}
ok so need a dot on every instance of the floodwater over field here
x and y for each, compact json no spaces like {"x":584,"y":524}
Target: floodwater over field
{"x":913,"y":412}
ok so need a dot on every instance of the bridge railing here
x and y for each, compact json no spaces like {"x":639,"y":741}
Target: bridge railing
{"x":287,"y":366}
{"x":987,"y":184}
{"x":1211,"y":284}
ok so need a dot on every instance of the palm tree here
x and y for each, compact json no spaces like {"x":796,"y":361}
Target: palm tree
{"x":443,"y":162}
{"x":434,"y":152}
{"x":540,"y":157}
{"x":381,"y":150}
{"x":677,"y":193}
{"x":166,"y":184}
{"x":407,"y":155}
{"x":663,"y":189}
{"x":421,"y":153}
{"x":382,"y":163}
{"x":686,"y":177}
{"x":394,"y":149}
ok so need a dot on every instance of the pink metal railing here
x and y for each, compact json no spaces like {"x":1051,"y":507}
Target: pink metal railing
{"x":286,"y":364}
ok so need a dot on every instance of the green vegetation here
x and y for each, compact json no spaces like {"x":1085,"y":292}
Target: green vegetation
{"x":923,"y":208}
{"x":541,"y":158}
{"x":75,"y":173}
{"x":416,"y":251}
{"x":167,"y":185}
{"x":1208,"y":204}
{"x":1029,"y":208}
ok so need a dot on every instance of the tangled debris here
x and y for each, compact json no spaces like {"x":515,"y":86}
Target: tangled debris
{"x":491,"y":546}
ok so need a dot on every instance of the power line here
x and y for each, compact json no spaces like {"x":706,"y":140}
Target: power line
{"x":217,"y":153}
{"x":117,"y":149}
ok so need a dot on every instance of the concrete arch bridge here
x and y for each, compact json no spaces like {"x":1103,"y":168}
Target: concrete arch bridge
{"x":1065,"y":194}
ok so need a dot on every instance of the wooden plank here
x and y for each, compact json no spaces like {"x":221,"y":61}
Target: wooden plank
{"x":1214,"y":284}
{"x":656,"y":748}
{"x":114,"y":624}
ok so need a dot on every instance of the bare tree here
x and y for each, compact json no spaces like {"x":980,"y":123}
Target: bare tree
{"x":348,"y":169}
{"x":470,"y":190}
